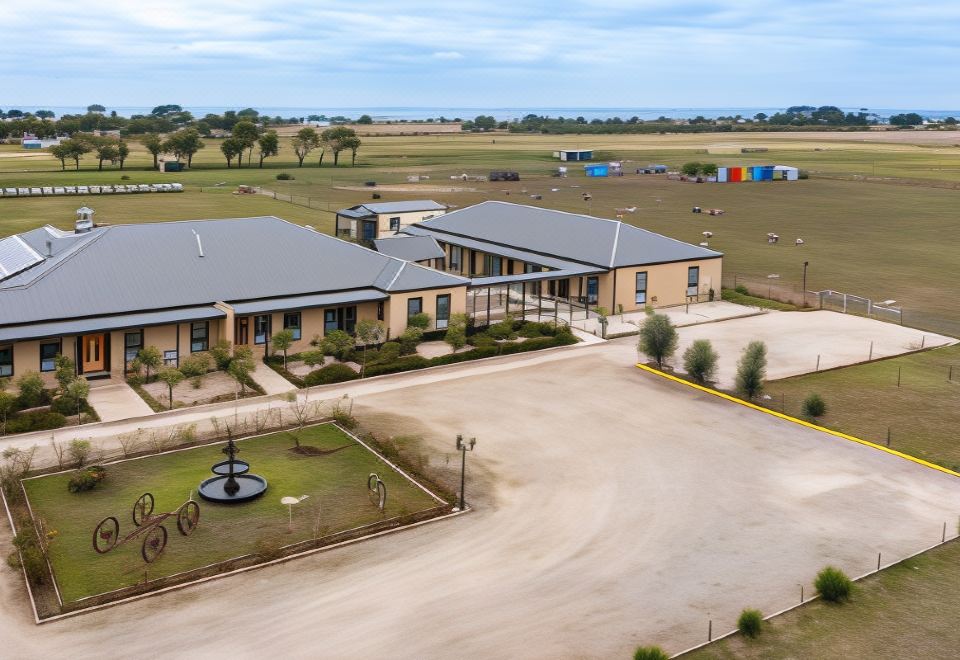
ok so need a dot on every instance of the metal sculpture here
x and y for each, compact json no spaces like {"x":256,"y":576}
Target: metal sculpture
{"x":106,"y":535}
{"x":377,"y":490}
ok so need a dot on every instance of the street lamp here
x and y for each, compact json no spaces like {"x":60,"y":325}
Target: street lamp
{"x":463,"y":446}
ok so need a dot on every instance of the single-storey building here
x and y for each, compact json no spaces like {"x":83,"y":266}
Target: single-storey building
{"x":367,"y":222}
{"x":574,"y":154}
{"x":99,"y":295}
{"x":423,"y":250}
{"x":596,"y":169}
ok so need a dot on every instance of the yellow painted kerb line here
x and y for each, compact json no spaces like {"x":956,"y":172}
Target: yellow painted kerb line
{"x":801,"y":422}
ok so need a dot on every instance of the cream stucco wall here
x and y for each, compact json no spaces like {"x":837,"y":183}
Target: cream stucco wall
{"x":396,"y":307}
{"x":666,"y":284}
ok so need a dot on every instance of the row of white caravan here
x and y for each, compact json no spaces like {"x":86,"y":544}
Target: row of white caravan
{"x":52,"y":191}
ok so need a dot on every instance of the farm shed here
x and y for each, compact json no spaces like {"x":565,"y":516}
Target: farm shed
{"x":574,"y":154}
{"x":600,"y":169}
{"x":653,"y":169}
{"x":757,"y":173}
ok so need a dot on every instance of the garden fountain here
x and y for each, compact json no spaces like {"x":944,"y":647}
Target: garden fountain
{"x":233,"y":483}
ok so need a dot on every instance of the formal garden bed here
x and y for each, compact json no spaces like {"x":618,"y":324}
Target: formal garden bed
{"x":340,"y":357}
{"x":27,"y":404}
{"x":220,"y":374}
{"x":55,"y":514}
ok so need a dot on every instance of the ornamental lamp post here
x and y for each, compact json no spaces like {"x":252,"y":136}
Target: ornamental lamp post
{"x":463,"y":446}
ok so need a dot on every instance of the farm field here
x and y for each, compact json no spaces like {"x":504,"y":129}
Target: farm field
{"x":877,"y":218}
{"x":335,"y":481}
{"x":891,"y":615}
{"x":922,"y":414}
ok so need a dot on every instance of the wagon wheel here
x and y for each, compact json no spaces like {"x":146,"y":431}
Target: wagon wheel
{"x":154,"y":543}
{"x":188,"y":516}
{"x":106,"y":534}
{"x":377,"y":491}
{"x":142,"y":509}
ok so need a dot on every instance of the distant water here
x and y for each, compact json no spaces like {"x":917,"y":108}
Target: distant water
{"x":501,"y":114}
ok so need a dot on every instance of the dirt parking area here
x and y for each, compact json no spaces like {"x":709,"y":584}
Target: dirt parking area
{"x":613,"y":508}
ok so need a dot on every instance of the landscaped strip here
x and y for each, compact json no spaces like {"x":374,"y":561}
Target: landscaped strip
{"x":838,"y":434}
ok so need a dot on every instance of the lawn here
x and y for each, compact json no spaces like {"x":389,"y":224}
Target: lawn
{"x":891,"y":237}
{"x":923,"y":413}
{"x":336,"y":483}
{"x":906,"y":611}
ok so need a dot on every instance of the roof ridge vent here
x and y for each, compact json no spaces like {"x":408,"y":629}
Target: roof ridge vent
{"x":199,"y":243}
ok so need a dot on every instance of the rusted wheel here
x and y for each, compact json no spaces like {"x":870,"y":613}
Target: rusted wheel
{"x":154,"y":543}
{"x":188,"y":516}
{"x":106,"y":534}
{"x":142,"y":509}
{"x":377,"y":491}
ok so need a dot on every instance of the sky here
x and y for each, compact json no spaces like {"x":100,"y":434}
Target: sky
{"x":526,"y":53}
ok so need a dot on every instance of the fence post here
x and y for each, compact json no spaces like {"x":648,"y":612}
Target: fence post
{"x":878,"y":561}
{"x":888,"y":436}
{"x":871,"y":352}
{"x":943,"y":539}
{"x":923,"y":341}
{"x":898,"y":376}
{"x":950,"y":376}
{"x":844,"y":303}
{"x":818,"y":362}
{"x":710,"y":631}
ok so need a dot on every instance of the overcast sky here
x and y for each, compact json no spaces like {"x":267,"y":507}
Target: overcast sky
{"x":592,"y":53}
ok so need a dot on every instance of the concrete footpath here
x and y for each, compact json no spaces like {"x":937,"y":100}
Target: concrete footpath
{"x":117,"y":402}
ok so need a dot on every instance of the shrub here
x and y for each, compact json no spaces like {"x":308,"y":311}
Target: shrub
{"x":482,"y":341}
{"x":700,"y":361}
{"x":742,"y":290}
{"x":283,"y":176}
{"x":332,"y":373}
{"x":409,"y":339}
{"x":221,"y":354}
{"x":66,"y":371}
{"x":313,"y":358}
{"x":833,"y":585}
{"x":750,"y":622}
{"x":472,"y":354}
{"x":456,"y":335}
{"x":35,"y":420}
{"x":752,"y":370}
{"x":658,"y":338}
{"x":150,"y":358}
{"x":650,"y":653}
{"x":389,"y":352}
{"x":339,"y":344}
{"x":421,"y":320}
{"x":79,"y":451}
{"x":87,"y":479}
{"x":407,"y":363}
{"x":536,"y":344}
{"x":196,"y":366}
{"x":814,"y":406}
{"x":33,"y":563}
{"x":533,"y":329}
{"x":30,"y":385}
{"x":502,"y":330}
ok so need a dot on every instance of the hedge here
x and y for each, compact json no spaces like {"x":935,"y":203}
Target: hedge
{"x":35,"y":420}
{"x":332,"y":373}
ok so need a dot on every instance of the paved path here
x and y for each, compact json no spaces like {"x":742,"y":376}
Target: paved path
{"x":118,"y":401}
{"x":612,"y":508}
{"x":270,"y":380}
{"x":681,"y":315}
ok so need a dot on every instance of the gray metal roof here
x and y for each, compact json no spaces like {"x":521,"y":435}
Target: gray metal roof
{"x":379,"y":208}
{"x":409,"y":248}
{"x":16,"y":256}
{"x":80,"y":326}
{"x":123,"y":268}
{"x":570,"y":236}
{"x":306,"y":302}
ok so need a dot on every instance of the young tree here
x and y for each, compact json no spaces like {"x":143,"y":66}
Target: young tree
{"x":106,"y":150}
{"x":172,"y":377}
{"x":658,"y":338}
{"x":305,"y":141}
{"x":8,"y":404}
{"x":184,"y":144}
{"x":231,"y":148}
{"x":66,"y":371}
{"x":338,"y":344}
{"x":269,"y":145}
{"x":369,"y":332}
{"x":61,"y":152}
{"x":123,"y":151}
{"x":246,"y":132}
{"x":353,"y":144}
{"x":752,"y":370}
{"x":456,"y":334}
{"x":77,"y":147}
{"x":282,"y":341}
{"x":700,"y":361}
{"x":79,"y":451}
{"x":154,"y":144}
{"x":76,"y":393}
{"x":242,"y":365}
{"x":334,"y":139}
{"x":150,"y":358}
{"x":30,"y":385}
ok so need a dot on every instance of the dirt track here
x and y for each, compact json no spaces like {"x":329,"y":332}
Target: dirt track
{"x":613,"y":508}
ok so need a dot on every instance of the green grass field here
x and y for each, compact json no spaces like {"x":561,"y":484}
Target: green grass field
{"x":906,"y":611}
{"x":923,"y":414}
{"x":888,"y":238}
{"x":336,"y":484}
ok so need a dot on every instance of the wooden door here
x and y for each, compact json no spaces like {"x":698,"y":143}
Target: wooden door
{"x":93,"y":353}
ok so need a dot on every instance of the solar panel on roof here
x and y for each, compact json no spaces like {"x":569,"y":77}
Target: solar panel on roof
{"x":15,"y":256}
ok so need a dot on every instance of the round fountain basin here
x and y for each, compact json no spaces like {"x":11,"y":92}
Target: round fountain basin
{"x":251,"y":486}
{"x":223,"y":468}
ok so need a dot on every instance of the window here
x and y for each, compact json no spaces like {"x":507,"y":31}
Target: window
{"x":456,"y":255}
{"x":349,"y":319}
{"x":291,"y":321}
{"x":395,"y":224}
{"x":6,"y":360}
{"x":380,"y":311}
{"x":132,"y":344}
{"x":243,"y":331}
{"x":414,"y":307}
{"x":261,"y":328}
{"x":641,"y":288}
{"x":329,"y":321}
{"x":593,"y":290}
{"x":340,"y":318}
{"x":369,"y":231}
{"x":493,"y":266}
{"x":443,"y":311}
{"x":529,"y":268}
{"x":199,"y":336}
{"x":693,"y":280}
{"x":48,"y":355}
{"x":170,"y":358}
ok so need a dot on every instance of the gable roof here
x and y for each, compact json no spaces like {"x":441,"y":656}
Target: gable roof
{"x":125,"y":268}
{"x":582,"y":238}
{"x":409,"y":248}
{"x":379,"y":208}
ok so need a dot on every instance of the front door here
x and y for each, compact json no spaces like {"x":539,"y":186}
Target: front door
{"x":93,"y":353}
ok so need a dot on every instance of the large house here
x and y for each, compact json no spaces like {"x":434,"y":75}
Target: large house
{"x":100,"y":294}
{"x":367,"y":222}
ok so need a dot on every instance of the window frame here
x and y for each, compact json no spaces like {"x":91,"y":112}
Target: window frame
{"x":6,"y":348}
{"x":394,"y":224}
{"x":594,"y":298}
{"x":443,"y":322}
{"x":194,"y":341}
{"x":297,"y":328}
{"x":640,"y":294}
{"x":695,"y":287}
{"x":52,"y":366}
{"x":419,"y":301}
{"x":456,"y":258}
{"x":266,"y":330}
{"x":127,"y":347}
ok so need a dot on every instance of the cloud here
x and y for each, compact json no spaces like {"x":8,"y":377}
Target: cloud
{"x":448,"y":55}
